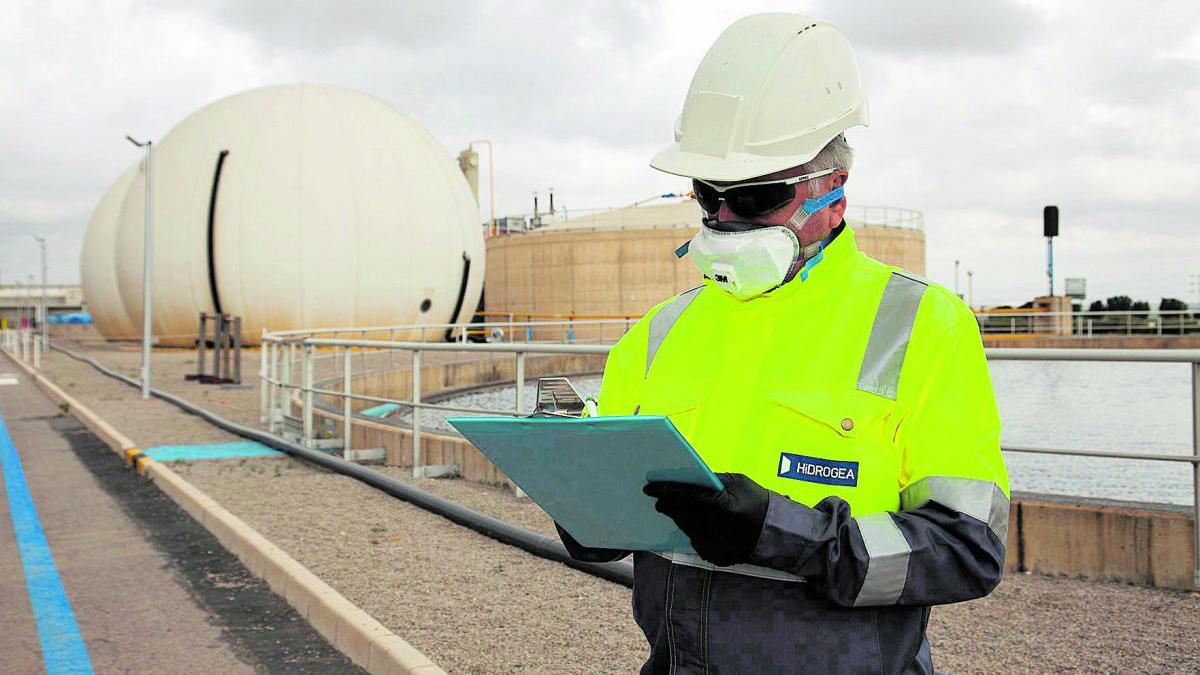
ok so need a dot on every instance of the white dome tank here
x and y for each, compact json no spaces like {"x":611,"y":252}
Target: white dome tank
{"x":98,"y":263}
{"x":328,"y":207}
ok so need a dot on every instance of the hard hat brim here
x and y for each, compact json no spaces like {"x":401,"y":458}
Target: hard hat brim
{"x":732,"y":167}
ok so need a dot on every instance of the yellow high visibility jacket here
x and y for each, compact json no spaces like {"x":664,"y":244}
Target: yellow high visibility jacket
{"x":875,"y":373}
{"x":859,"y":395}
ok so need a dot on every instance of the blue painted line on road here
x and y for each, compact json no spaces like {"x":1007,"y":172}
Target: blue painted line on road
{"x":63,"y":650}
{"x":189,"y":453}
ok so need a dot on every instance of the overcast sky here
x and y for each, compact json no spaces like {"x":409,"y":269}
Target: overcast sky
{"x":983,"y":111}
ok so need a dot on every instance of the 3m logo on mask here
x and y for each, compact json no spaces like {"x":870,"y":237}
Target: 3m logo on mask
{"x":816,"y":470}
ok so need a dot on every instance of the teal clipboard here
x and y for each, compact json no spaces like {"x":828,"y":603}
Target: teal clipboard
{"x":588,"y":473}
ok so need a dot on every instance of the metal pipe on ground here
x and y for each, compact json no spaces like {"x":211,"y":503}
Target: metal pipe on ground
{"x":531,"y":542}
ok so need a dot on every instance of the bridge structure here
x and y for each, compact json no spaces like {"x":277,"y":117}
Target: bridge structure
{"x":24,"y":301}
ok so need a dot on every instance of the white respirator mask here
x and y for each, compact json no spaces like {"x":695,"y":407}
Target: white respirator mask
{"x":747,"y":260}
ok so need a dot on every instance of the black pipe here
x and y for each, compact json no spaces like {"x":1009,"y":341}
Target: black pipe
{"x":538,"y":544}
{"x":212,"y":254}
{"x":462,"y":293}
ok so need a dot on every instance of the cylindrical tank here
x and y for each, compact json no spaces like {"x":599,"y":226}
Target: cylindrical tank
{"x":622,"y":261}
{"x":301,"y":206}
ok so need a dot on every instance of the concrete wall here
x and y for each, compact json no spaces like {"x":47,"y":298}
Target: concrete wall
{"x":1152,"y":545}
{"x":586,"y":272}
{"x":626,"y":271}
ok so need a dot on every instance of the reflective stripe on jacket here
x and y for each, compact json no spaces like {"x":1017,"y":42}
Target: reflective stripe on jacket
{"x":861,"y":397}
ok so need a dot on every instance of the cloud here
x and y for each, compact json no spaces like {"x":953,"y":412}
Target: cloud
{"x":935,"y":26}
{"x":983,"y":112}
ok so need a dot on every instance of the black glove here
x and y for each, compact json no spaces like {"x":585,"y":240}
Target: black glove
{"x":585,"y":554}
{"x":724,"y":526}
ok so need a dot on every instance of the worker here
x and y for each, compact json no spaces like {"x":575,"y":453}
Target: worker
{"x":845,"y":404}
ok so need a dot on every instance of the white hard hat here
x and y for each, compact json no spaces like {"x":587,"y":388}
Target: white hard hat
{"x":769,"y":94}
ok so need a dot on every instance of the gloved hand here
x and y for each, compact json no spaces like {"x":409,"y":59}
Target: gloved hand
{"x":724,"y":526}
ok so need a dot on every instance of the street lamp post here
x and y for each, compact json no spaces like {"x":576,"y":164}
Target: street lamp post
{"x":45,"y":315}
{"x":956,"y":279}
{"x":147,"y":270}
{"x":29,"y":311}
{"x":970,"y":290}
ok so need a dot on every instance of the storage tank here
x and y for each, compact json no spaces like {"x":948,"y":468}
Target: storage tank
{"x":622,"y":261}
{"x":98,"y":263}
{"x":298,"y":206}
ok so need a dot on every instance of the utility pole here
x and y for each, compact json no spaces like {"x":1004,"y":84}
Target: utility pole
{"x":147,"y":273}
{"x":29,"y":308}
{"x":1050,"y":231}
{"x":45,"y":315}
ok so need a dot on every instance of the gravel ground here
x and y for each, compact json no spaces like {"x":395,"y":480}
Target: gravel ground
{"x":470,"y":604}
{"x":496,"y":609}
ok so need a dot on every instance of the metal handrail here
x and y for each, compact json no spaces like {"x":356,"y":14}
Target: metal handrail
{"x":565,"y":320}
{"x":279,"y":361}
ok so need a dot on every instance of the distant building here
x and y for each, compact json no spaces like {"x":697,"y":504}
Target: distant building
{"x":25,"y":300}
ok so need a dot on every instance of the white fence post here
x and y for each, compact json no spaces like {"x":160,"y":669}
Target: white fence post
{"x":289,"y":359}
{"x":1196,"y":473}
{"x":272,"y":401}
{"x":307,"y":355}
{"x":520,"y":405}
{"x":263,"y":411}
{"x":347,"y":411}
{"x":418,"y":470}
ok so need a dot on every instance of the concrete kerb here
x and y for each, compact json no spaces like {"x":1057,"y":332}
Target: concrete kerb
{"x":352,"y":631}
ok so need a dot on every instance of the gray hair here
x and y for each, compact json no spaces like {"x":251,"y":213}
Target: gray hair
{"x":837,"y":154}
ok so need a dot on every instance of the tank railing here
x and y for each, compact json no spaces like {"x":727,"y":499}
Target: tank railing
{"x":281,"y":351}
{"x":886,"y":216}
{"x":1088,"y":324}
{"x":525,"y":326}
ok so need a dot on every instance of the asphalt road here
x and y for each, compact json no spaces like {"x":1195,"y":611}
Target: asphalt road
{"x":149,"y":590}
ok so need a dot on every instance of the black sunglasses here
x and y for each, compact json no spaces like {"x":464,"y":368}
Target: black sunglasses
{"x":751,"y":200}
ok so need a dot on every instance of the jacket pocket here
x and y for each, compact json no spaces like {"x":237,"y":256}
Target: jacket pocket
{"x":678,"y":404}
{"x":832,"y":444}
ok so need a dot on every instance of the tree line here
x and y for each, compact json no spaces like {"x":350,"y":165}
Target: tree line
{"x":1124,"y":303}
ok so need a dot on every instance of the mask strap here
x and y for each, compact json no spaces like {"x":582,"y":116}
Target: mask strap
{"x":811,"y":206}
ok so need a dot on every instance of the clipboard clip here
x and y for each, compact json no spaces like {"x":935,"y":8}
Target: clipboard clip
{"x":557,"y":397}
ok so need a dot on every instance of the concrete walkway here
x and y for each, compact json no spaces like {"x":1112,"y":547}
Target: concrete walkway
{"x":150,"y":590}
